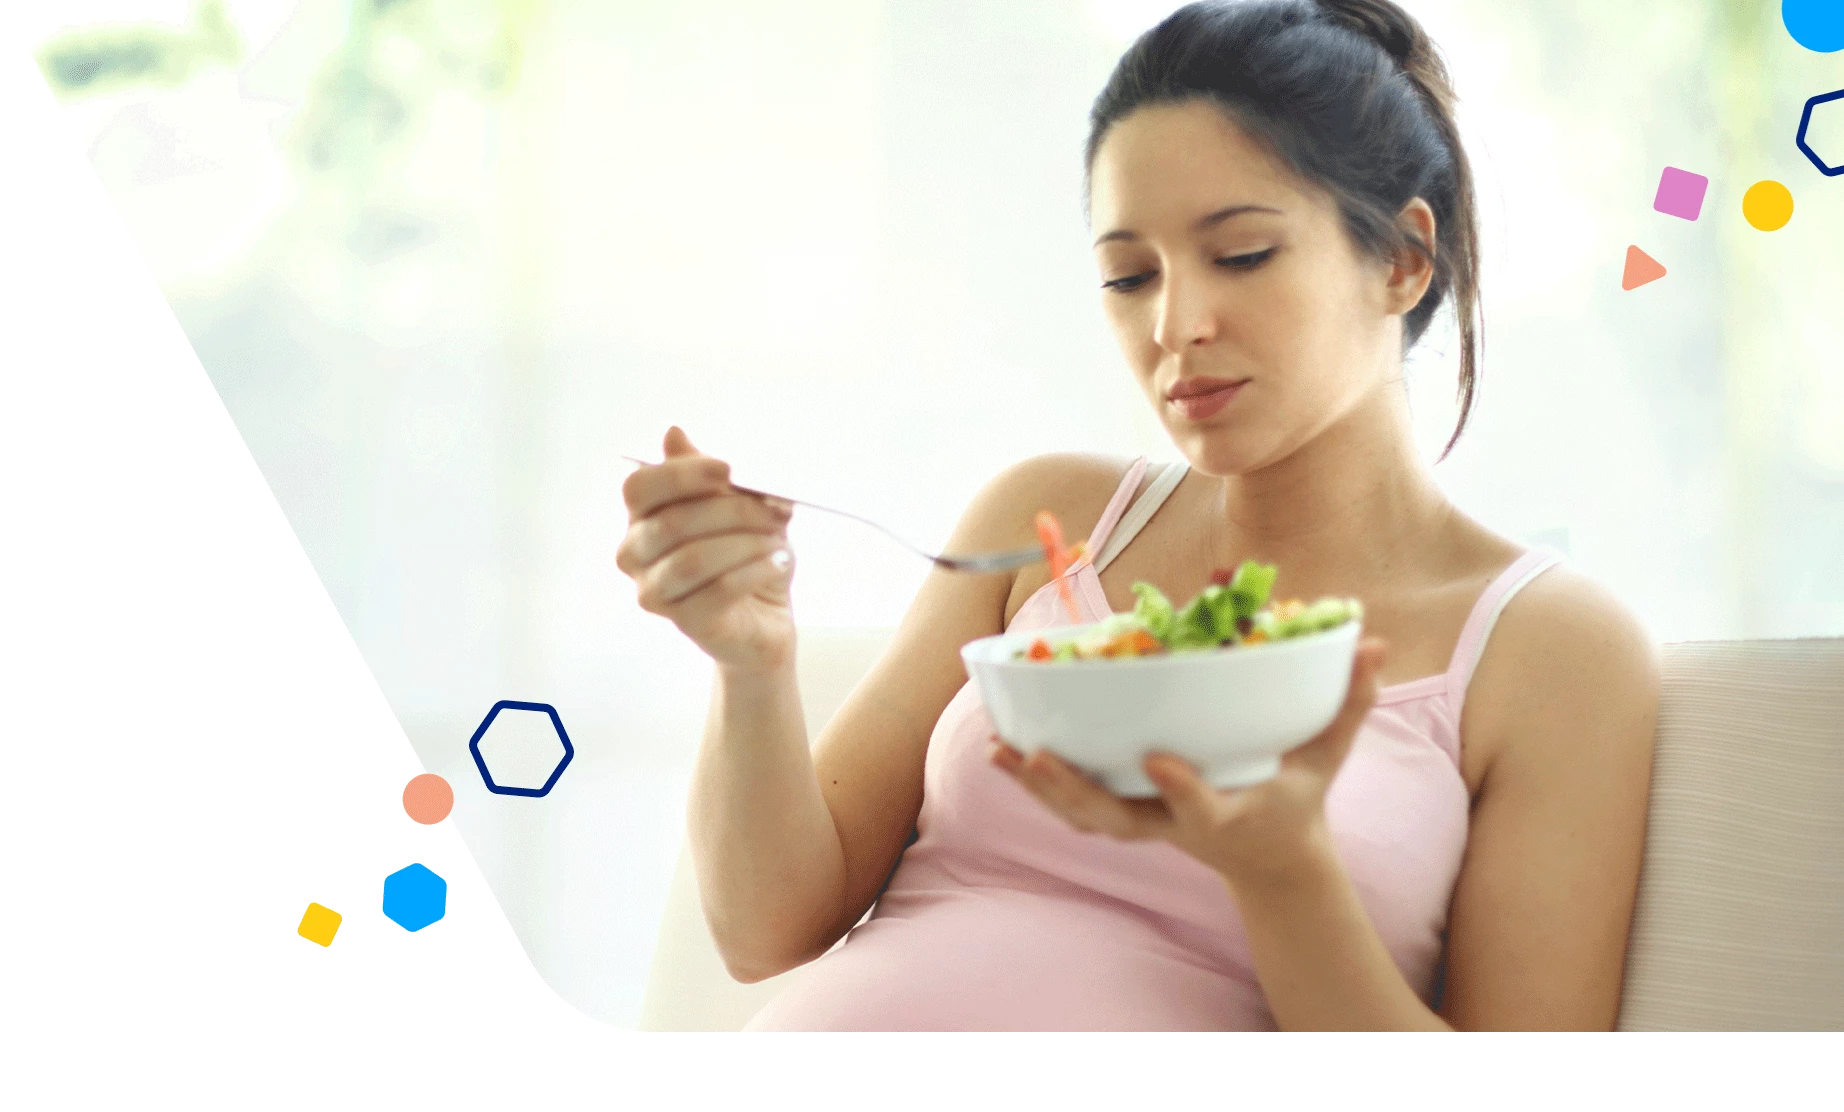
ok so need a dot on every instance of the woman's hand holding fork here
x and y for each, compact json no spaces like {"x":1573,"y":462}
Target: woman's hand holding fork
{"x":712,"y":559}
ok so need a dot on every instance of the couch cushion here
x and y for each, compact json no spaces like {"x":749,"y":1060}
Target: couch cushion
{"x":1740,"y":919}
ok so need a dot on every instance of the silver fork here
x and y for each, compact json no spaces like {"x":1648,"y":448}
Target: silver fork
{"x":983,"y":563}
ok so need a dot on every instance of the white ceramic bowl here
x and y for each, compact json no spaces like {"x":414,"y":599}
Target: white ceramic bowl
{"x":1231,"y":713}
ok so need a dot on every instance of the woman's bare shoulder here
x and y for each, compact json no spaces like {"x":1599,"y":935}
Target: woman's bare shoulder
{"x":1074,"y":486}
{"x":1568,"y":650}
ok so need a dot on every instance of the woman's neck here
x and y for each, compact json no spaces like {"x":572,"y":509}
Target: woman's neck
{"x":1354,"y":505}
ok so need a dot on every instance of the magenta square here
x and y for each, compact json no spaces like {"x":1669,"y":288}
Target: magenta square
{"x":1680,"y":193}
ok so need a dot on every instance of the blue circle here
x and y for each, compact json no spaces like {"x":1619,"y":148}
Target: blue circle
{"x":1815,"y":24}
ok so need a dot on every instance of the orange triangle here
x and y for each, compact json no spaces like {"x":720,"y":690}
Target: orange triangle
{"x":1640,"y":269}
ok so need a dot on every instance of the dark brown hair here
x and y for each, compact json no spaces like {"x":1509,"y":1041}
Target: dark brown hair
{"x":1352,"y":96}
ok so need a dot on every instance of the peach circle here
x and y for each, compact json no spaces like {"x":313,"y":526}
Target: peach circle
{"x":428,"y":798}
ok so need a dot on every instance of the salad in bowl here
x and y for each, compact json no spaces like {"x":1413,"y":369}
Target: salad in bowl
{"x":1229,"y":681}
{"x":1233,"y":610}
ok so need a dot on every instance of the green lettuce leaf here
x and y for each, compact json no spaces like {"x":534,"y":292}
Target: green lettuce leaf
{"x":1193,"y":627}
{"x":1328,"y":613}
{"x":1221,"y":602}
{"x":1250,"y":586}
{"x":1154,"y":611}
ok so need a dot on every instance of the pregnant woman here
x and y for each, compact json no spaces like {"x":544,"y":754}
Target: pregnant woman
{"x":1280,"y":204}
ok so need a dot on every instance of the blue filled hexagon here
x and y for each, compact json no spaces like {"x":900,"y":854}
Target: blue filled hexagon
{"x":566,"y":750}
{"x":414,"y":897}
{"x":1829,"y":163}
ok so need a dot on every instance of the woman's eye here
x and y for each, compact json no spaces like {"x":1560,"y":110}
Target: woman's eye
{"x":1246,"y":262}
{"x":1233,"y":262}
{"x":1130,"y":282}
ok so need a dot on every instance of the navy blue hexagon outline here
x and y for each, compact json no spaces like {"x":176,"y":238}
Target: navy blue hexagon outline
{"x":1805,"y":121}
{"x":473,"y":746}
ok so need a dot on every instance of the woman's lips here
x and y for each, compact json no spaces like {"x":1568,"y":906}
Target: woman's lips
{"x":1198,"y":407}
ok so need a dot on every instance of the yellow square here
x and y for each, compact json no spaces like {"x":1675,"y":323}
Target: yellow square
{"x":319,"y":924}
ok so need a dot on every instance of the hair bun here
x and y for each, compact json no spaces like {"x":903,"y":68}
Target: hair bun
{"x":1402,"y":38}
{"x":1382,"y":23}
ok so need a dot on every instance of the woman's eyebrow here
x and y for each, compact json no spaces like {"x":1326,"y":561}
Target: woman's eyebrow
{"x":1203,"y":223}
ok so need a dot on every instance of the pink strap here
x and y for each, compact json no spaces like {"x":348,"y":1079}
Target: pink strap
{"x":1485,"y":614}
{"x":1110,"y":517}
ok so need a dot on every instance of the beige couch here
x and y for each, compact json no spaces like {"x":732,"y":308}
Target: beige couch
{"x":1740,"y":922}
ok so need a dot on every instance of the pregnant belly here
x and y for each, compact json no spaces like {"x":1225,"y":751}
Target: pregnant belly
{"x":1000,"y":959}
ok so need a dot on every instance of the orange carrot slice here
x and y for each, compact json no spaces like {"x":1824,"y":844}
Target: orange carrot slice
{"x":1050,"y":532}
{"x":1069,"y":601}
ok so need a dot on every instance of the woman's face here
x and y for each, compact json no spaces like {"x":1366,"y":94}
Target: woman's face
{"x":1218,"y":263}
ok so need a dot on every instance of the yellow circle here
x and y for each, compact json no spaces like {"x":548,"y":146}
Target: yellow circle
{"x":1767,"y":205}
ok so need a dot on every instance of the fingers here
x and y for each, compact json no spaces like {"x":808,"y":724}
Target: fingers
{"x":705,"y":608}
{"x":1081,"y":802}
{"x":1326,"y":752}
{"x":677,"y":479}
{"x":700,"y":564}
{"x":1188,"y":796}
{"x":679,"y":524}
{"x":1003,"y":755}
{"x":686,"y":473}
{"x":678,"y":444}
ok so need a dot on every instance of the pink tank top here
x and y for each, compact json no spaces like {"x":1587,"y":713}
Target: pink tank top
{"x":1001,"y":917}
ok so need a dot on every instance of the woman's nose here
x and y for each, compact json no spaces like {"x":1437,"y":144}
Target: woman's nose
{"x":1186,"y":315}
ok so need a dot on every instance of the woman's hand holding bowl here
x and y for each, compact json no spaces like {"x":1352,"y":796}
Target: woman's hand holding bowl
{"x":1253,"y":836}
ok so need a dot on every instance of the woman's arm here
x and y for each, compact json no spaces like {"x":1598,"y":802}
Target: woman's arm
{"x":1541,"y":913}
{"x":791,"y":846}
{"x":1321,"y":963}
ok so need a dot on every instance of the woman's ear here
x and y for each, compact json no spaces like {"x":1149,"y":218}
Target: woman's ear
{"x":1413,"y":271}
